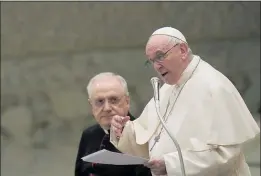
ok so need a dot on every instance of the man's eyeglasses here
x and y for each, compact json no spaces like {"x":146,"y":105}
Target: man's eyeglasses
{"x":100,"y":102}
{"x":160,"y":56}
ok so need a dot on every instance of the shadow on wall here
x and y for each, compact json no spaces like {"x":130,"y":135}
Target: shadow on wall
{"x":243,"y":84}
{"x":32,"y":121}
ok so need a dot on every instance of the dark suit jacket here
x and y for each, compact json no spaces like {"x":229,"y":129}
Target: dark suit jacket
{"x":94,"y":139}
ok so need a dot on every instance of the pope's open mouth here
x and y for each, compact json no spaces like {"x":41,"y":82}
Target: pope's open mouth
{"x":164,"y":74}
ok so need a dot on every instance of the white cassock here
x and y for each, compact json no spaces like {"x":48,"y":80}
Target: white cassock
{"x":208,"y":118}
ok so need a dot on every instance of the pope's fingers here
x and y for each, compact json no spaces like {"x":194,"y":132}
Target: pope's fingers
{"x":146,"y":164}
{"x":117,"y":135}
{"x":116,"y":122}
{"x":153,"y":164}
{"x":116,"y":131}
{"x":116,"y":125}
{"x":121,"y":118}
{"x":149,"y":164}
{"x":113,"y":123}
{"x":125,"y":119}
{"x":118,"y":118}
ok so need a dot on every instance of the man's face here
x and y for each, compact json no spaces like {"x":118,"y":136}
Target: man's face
{"x":108,"y":98}
{"x":167,"y":58}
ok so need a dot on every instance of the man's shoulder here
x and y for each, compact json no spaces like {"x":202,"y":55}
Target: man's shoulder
{"x":92,"y":129}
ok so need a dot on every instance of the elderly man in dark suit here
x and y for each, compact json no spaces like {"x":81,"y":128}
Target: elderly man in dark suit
{"x":108,"y":96}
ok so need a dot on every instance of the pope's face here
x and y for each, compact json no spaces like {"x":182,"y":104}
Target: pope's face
{"x":108,"y":98}
{"x":167,"y":58}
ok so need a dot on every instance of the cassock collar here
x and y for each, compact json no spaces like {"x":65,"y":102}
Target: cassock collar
{"x":189,"y":70}
{"x":106,"y":131}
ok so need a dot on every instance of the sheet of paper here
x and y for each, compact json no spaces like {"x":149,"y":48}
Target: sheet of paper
{"x":108,"y":157}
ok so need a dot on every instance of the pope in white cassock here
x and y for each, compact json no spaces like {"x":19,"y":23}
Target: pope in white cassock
{"x":203,"y":109}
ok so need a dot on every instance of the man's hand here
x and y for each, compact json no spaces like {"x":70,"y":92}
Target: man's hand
{"x":157,"y":166}
{"x":117,"y":123}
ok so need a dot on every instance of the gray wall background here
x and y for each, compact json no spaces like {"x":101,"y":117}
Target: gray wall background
{"x":49,"y":51}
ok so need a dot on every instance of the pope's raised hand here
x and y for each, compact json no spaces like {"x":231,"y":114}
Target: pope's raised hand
{"x":117,"y":124}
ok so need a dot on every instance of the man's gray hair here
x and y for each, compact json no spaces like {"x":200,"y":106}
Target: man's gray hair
{"x":107,"y":74}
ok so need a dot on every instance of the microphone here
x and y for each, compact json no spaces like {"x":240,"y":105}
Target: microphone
{"x":156,"y":84}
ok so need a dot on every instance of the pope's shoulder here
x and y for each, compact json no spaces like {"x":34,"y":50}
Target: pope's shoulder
{"x":211,"y":78}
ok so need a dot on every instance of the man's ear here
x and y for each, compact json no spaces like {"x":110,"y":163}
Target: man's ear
{"x":184,"y":49}
{"x":128,"y":99}
{"x":90,"y":105}
{"x":89,"y":101}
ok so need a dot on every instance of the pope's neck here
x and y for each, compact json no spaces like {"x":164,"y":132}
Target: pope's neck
{"x":184,"y":68}
{"x":190,"y":66}
{"x":186,"y":64}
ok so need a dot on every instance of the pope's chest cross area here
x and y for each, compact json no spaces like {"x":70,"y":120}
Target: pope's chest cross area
{"x":156,"y":139}
{"x":172,"y":99}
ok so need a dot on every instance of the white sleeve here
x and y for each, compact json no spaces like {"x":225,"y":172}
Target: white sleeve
{"x":211,"y":161}
{"x":127,"y":142}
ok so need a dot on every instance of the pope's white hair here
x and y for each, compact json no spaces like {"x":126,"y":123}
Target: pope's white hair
{"x":175,"y":41}
{"x":102,"y":76}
